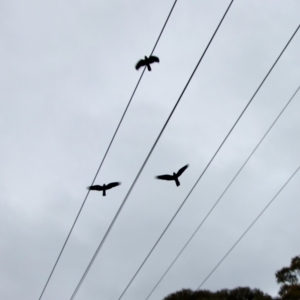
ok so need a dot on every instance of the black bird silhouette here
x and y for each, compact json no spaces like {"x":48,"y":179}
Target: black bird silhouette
{"x":174,"y":176}
{"x":146,"y":62}
{"x":103,"y":187}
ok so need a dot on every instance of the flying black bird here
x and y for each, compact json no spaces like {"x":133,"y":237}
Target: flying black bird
{"x":146,"y":62}
{"x":103,"y":187}
{"x":174,"y":176}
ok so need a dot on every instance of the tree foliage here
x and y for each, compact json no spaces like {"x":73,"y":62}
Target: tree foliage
{"x":288,"y":278}
{"x":240,"y":293}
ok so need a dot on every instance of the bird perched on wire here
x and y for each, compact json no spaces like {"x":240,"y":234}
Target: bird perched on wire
{"x":103,"y":187}
{"x":174,"y":176}
{"x":146,"y":62}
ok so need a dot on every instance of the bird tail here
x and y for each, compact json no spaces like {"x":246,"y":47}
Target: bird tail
{"x":177,"y":182}
{"x":149,"y":68}
{"x":104,"y":193}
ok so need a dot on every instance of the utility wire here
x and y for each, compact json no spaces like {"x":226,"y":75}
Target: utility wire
{"x":245,"y":232}
{"x":164,"y":231}
{"x":146,"y":160}
{"x":107,"y":150}
{"x":228,"y":186}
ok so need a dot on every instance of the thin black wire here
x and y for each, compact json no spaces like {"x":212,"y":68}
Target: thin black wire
{"x":138,"y":270}
{"x":228,"y":186}
{"x":245,"y":232}
{"x":164,"y":231}
{"x":145,"y":162}
{"x":107,"y":150}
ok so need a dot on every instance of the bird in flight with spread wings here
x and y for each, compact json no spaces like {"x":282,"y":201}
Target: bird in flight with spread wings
{"x":146,"y":62}
{"x":174,"y":176}
{"x":103,"y":187}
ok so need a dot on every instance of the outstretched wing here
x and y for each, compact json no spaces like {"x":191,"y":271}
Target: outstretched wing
{"x":153,"y":59}
{"x":112,"y":184}
{"x":95,"y":188}
{"x":165,"y":177}
{"x":182,"y":170}
{"x":141,"y":63}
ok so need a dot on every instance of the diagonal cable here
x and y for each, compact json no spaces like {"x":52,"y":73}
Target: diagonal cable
{"x":223,"y":193}
{"x":146,"y":160}
{"x":246,"y":231}
{"x":203,"y":172}
{"x":106,"y":152}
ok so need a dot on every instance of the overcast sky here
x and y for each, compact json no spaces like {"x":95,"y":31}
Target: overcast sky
{"x":67,"y":72}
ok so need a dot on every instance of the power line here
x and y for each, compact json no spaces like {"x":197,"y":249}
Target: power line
{"x":245,"y":232}
{"x":146,"y":160}
{"x":106,"y":152}
{"x":203,"y":172}
{"x":223,"y":193}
